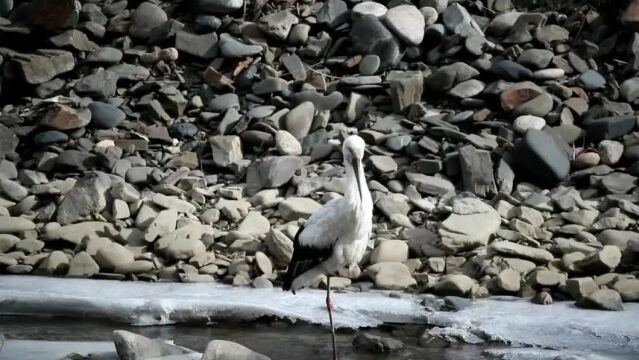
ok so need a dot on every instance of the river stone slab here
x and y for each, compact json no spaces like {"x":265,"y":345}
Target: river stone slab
{"x":271,"y":172}
{"x":76,"y":232}
{"x":470,"y":225}
{"x":294,"y":208}
{"x":609,"y":128}
{"x":203,"y":46}
{"x":280,"y":247}
{"x":390,"y":251}
{"x":454,"y":285}
{"x":544,"y":160}
{"x":12,"y":225}
{"x":88,"y":196}
{"x":522,"y":251}
{"x":628,"y":289}
{"x":298,"y":121}
{"x":600,"y":262}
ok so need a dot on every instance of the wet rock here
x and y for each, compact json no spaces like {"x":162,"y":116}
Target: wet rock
{"x":364,"y":342}
{"x":130,"y":346}
{"x":222,"y":349}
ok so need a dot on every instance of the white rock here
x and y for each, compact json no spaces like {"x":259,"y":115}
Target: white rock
{"x":610,"y":151}
{"x":287,"y":144}
{"x":368,"y":8}
{"x":430,"y":15}
{"x":391,"y":275}
{"x":526,"y":122}
{"x":294,"y":208}
{"x":254,"y":224}
{"x":407,"y":22}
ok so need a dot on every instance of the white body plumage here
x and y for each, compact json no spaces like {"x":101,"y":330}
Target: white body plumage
{"x":336,"y":235}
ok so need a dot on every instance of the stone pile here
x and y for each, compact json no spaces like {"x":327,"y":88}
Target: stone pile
{"x":188,"y":141}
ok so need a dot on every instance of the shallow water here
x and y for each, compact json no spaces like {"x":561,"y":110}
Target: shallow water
{"x":277,"y":340}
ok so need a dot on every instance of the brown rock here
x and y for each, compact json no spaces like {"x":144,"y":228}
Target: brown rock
{"x":62,"y":117}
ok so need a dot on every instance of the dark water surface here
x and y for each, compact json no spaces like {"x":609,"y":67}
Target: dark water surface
{"x":277,"y":340}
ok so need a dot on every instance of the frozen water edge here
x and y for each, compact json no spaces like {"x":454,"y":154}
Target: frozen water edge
{"x":558,"y":326}
{"x":141,"y":303}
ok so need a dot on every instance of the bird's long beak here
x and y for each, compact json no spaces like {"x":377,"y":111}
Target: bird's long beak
{"x":356,"y":169}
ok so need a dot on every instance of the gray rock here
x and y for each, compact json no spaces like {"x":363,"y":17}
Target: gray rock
{"x":222,"y":349}
{"x":470,"y":225}
{"x":630,"y":89}
{"x":430,"y":184}
{"x":112,"y":255}
{"x":106,"y":116}
{"x":449,"y":75}
{"x":406,"y":89}
{"x":545,"y":161}
{"x":12,"y":225}
{"x":298,"y":121}
{"x":287,"y":144}
{"x":333,"y":13}
{"x":508,"y":248}
{"x":591,"y":80}
{"x":610,"y":151}
{"x":580,"y":287}
{"x":604,"y":299}
{"x":271,"y":172}
{"x":477,"y":171}
{"x":89,"y":196}
{"x":509,"y":280}
{"x":82,"y":266}
{"x":280,"y":247}
{"x":600,"y":262}
{"x":294,"y":208}
{"x":227,"y":149}
{"x":44,"y":65}
{"x":455,"y":285}
{"x":74,"y":39}
{"x":369,"y":36}
{"x":608,"y":128}
{"x":146,"y":17}
{"x":459,"y":22}
{"x":509,"y":70}
{"x":391,"y":276}
{"x":102,"y":83}
{"x":467,"y":89}
{"x":130,"y":346}
{"x":76,"y":160}
{"x":628,"y":289}
{"x":369,"y":65}
{"x":369,"y":343}
{"x":105,"y":55}
{"x":230,"y":47}
{"x":278,"y":24}
{"x":407,"y":22}
{"x":536,"y":58}
{"x":203,"y":46}
{"x":218,"y":6}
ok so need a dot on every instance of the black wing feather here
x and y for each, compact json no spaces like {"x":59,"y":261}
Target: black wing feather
{"x":304,"y":258}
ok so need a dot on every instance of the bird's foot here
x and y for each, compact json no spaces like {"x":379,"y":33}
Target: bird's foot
{"x":329,"y":304}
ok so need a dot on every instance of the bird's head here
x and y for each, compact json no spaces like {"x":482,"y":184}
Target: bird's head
{"x":353,"y":150}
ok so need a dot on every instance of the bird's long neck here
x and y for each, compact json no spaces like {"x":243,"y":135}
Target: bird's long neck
{"x":357,"y":191}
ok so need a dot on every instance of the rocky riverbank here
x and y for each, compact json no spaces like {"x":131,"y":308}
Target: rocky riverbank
{"x":187,"y":141}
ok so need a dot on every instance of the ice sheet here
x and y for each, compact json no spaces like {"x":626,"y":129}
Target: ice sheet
{"x":557,"y":326}
{"x":143,"y":303}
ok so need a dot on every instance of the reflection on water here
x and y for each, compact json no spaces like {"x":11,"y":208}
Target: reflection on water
{"x":277,"y":340}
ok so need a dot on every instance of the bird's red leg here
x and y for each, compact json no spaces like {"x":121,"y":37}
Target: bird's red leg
{"x":329,"y":308}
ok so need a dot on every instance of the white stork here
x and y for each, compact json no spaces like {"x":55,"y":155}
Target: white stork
{"x":336,"y":235}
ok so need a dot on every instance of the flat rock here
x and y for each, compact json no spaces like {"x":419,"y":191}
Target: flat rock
{"x":222,"y":349}
{"x":88,"y":196}
{"x":391,"y":275}
{"x":522,"y":251}
{"x":604,"y":299}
